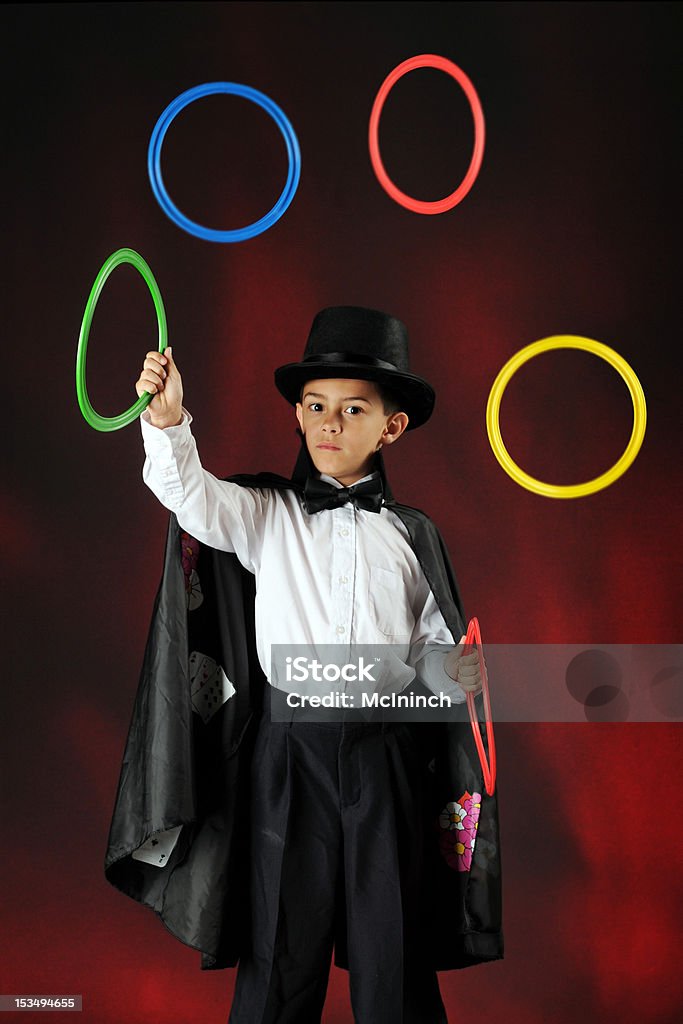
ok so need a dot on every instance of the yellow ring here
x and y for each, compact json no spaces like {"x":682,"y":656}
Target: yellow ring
{"x":496,"y":397}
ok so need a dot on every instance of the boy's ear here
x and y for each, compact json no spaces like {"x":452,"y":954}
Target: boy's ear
{"x":395,"y":427}
{"x":299,"y":416}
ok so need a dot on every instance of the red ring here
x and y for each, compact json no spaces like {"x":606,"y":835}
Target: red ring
{"x":427,"y":60}
{"x":473,"y":638}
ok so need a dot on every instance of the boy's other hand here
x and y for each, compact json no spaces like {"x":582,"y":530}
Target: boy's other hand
{"x":160,"y":377}
{"x":464,"y":670}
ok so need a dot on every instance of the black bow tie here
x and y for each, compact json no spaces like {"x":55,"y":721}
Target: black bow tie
{"x":366,"y":495}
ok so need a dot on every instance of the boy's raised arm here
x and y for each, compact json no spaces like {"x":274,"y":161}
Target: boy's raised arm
{"x":220,"y":514}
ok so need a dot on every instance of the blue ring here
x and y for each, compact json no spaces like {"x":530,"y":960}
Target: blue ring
{"x":154,"y":162}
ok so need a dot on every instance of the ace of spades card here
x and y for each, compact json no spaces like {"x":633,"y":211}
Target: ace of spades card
{"x":158,"y":848}
{"x":210,"y":688}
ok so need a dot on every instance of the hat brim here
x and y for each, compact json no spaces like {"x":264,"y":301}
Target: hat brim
{"x":417,"y":395}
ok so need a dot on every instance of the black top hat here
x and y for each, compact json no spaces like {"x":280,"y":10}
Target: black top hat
{"x":363,"y":344}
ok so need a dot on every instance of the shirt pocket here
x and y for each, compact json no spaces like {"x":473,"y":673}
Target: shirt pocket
{"x":388,"y":603}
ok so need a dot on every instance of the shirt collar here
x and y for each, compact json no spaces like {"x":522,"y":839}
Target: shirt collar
{"x":335,"y":483}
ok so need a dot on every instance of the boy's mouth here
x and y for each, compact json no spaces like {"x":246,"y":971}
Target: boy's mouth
{"x":329,"y":447}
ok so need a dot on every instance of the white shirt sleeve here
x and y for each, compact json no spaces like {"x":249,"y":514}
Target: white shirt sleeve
{"x":430,"y":643}
{"x":222,"y":515}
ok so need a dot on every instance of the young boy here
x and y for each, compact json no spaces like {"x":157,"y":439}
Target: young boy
{"x":330,"y":836}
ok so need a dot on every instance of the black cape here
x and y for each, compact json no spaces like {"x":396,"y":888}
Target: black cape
{"x":179,"y":771}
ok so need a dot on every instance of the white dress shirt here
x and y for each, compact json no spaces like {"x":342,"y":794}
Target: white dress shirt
{"x":339,"y":576}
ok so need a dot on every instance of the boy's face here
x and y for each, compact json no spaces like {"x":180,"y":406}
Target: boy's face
{"x":344,"y":424}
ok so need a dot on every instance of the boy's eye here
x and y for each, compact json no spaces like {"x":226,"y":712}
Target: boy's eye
{"x":317,"y":406}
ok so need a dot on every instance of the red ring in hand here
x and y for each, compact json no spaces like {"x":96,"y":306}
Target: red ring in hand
{"x":473,"y":637}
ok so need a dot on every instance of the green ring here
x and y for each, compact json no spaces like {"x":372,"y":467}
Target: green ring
{"x":89,"y":414}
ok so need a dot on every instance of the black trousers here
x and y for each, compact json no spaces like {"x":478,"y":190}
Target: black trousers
{"x":336,"y":840}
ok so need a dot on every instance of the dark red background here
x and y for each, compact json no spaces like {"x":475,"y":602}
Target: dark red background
{"x":570,"y":228}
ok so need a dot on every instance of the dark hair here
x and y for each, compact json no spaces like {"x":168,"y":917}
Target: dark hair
{"x":391,"y":400}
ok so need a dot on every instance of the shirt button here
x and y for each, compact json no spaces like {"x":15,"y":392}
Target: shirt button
{"x":343,"y":579}
{"x":344,"y":532}
{"x":340,"y":629}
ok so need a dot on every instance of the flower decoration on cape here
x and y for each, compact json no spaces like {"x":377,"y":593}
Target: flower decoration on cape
{"x":459,"y":821}
{"x":189,"y":554}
